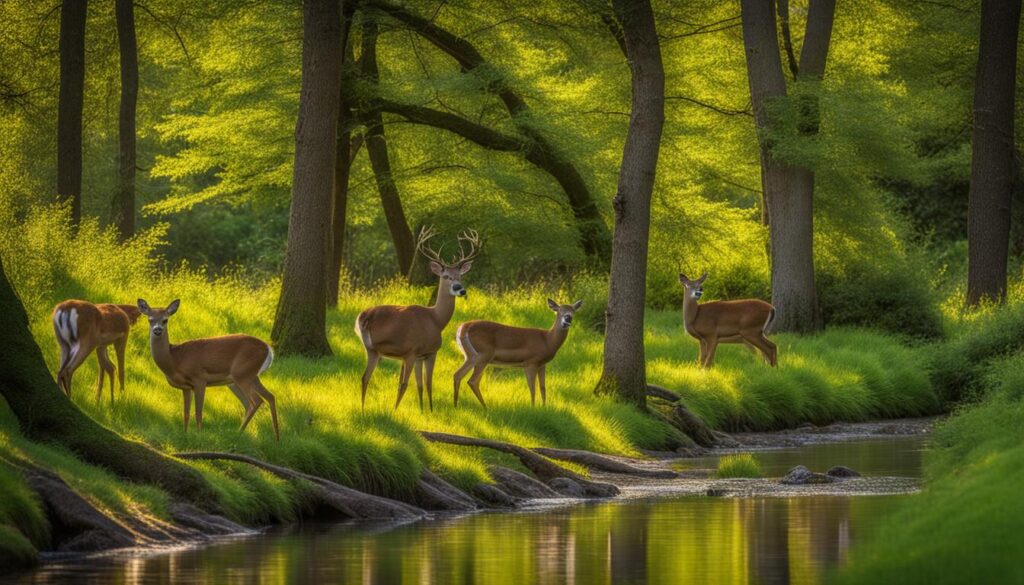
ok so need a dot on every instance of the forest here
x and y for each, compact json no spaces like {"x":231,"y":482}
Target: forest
{"x":361,"y":187}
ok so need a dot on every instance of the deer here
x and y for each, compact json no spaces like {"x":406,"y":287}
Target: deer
{"x":485,"y":342}
{"x":80,"y":328}
{"x":235,"y":361}
{"x":740,"y":321}
{"x":412,"y":333}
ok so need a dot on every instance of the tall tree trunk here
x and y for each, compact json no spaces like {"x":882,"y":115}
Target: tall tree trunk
{"x":69,"y":108}
{"x":624,"y":374}
{"x":342,"y":163}
{"x":788,"y":190}
{"x":44,"y":414}
{"x":124,"y":200}
{"x":300,"y":323}
{"x":992,"y":171}
{"x":377,"y":148}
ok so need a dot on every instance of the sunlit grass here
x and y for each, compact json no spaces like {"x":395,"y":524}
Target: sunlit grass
{"x":741,"y":465}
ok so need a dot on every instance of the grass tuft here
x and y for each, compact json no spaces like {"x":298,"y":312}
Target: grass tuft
{"x":743,"y":465}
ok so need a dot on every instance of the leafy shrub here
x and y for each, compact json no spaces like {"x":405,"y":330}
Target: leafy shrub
{"x":739,"y":465}
{"x":961,"y":365}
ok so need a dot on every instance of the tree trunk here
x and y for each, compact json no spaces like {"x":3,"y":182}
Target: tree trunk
{"x":624,"y":374}
{"x":300,"y":323}
{"x":124,"y":199}
{"x":46,"y":415}
{"x":992,"y":172}
{"x":788,"y":190}
{"x":69,"y":108}
{"x":377,"y":148}
{"x":593,"y":232}
{"x":342,"y":164}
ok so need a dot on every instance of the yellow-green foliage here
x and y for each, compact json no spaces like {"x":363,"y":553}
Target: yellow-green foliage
{"x":841,"y":375}
{"x":738,"y":465}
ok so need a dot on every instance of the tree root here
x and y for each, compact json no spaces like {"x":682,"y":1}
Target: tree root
{"x":688,"y":423}
{"x":352,"y":503}
{"x":434,"y":493}
{"x":602,"y":463}
{"x":544,"y":469}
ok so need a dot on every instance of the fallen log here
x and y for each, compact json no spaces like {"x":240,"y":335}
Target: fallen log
{"x":350,"y":502}
{"x":602,"y":463}
{"x":544,"y":469}
{"x":690,"y":424}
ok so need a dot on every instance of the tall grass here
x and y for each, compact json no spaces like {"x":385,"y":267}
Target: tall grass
{"x":738,"y":465}
{"x":842,"y":374}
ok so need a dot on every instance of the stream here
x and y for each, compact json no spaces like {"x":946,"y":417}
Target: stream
{"x":666,"y":539}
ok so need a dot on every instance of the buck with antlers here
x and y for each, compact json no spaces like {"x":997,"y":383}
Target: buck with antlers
{"x":412,"y":334}
{"x":486,"y":342}
{"x":82,"y":327}
{"x":235,"y":361}
{"x":743,"y":321}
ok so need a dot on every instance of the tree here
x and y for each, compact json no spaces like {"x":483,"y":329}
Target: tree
{"x":69,"y":107}
{"x":45,"y":414}
{"x":992,"y":152}
{"x":377,"y":148}
{"x":788,"y":189}
{"x":624,"y":374}
{"x":124,"y":200}
{"x":300,"y":323}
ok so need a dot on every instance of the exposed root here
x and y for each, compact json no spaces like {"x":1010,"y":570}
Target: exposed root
{"x":602,"y":463}
{"x":352,"y":503}
{"x":688,"y":423}
{"x":434,"y":493}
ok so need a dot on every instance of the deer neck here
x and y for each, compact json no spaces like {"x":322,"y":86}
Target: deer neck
{"x":444,"y":306}
{"x":161,"y":348}
{"x":690,"y":311}
{"x":556,"y":336}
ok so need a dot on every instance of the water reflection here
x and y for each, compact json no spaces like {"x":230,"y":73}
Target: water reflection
{"x":672,"y":541}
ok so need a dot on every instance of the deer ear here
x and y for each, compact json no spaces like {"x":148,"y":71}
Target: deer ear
{"x":143,"y":306}
{"x":683,"y":279}
{"x":702,"y":278}
{"x":464,"y":268}
{"x":436,"y":268}
{"x":173,"y":307}
{"x":552,"y":305}
{"x":576,"y":306}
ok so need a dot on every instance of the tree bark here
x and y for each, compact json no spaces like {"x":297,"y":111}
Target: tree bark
{"x":593,"y":233}
{"x":124,"y":199}
{"x":624,"y":375}
{"x":300,"y":323}
{"x":992,"y":151}
{"x":788,"y":190}
{"x":343,"y":157}
{"x":377,"y":148}
{"x":69,"y":107}
{"x":44,"y":414}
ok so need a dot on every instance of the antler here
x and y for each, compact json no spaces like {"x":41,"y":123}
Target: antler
{"x":472,"y":238}
{"x":426,"y":233}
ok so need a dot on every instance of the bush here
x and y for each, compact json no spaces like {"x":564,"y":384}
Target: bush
{"x":893,"y":297}
{"x":739,"y":465}
{"x":960,"y":366}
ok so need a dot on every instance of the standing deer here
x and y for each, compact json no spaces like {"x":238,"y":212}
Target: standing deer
{"x":486,"y":342}
{"x":717,"y":322}
{"x":80,"y":328}
{"x":235,"y":361}
{"x":413,"y":333}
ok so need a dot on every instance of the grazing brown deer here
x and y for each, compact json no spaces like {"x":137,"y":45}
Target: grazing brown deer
{"x":413,"y":333}
{"x":486,"y":342}
{"x":235,"y":361}
{"x":80,"y":328}
{"x":743,"y":321}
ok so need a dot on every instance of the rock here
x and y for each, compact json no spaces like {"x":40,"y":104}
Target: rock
{"x":724,"y":440}
{"x":841,"y":472}
{"x":567,"y":487}
{"x":694,"y":451}
{"x":716,"y":492}
{"x":800,"y":475}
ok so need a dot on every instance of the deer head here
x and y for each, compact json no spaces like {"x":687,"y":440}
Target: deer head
{"x":449,"y":272}
{"x":565,"y":312}
{"x":694,"y":288}
{"x":158,"y":317}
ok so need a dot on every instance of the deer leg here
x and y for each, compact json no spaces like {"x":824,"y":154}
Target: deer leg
{"x":543,"y":389}
{"x":119,"y":347}
{"x":106,"y":367}
{"x":703,"y":351}
{"x":474,"y":381}
{"x":78,"y":356}
{"x":460,"y":374}
{"x":531,"y":381}
{"x":419,"y":381}
{"x":262,"y":391}
{"x":199,"y":389}
{"x":65,"y":354}
{"x":403,"y":379}
{"x":372,"y":358}
{"x":430,"y":379}
{"x":251,"y":401}
{"x":188,"y":407}
{"x":771,"y":351}
{"x":709,"y":357}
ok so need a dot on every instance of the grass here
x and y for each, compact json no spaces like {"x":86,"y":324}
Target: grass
{"x":738,"y":465}
{"x":844,"y":374}
{"x":965,"y":526}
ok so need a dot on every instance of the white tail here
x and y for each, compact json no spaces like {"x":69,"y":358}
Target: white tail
{"x":81,"y":327}
{"x":744,"y":321}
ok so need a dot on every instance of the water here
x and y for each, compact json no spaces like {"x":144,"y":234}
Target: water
{"x":671,"y":540}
